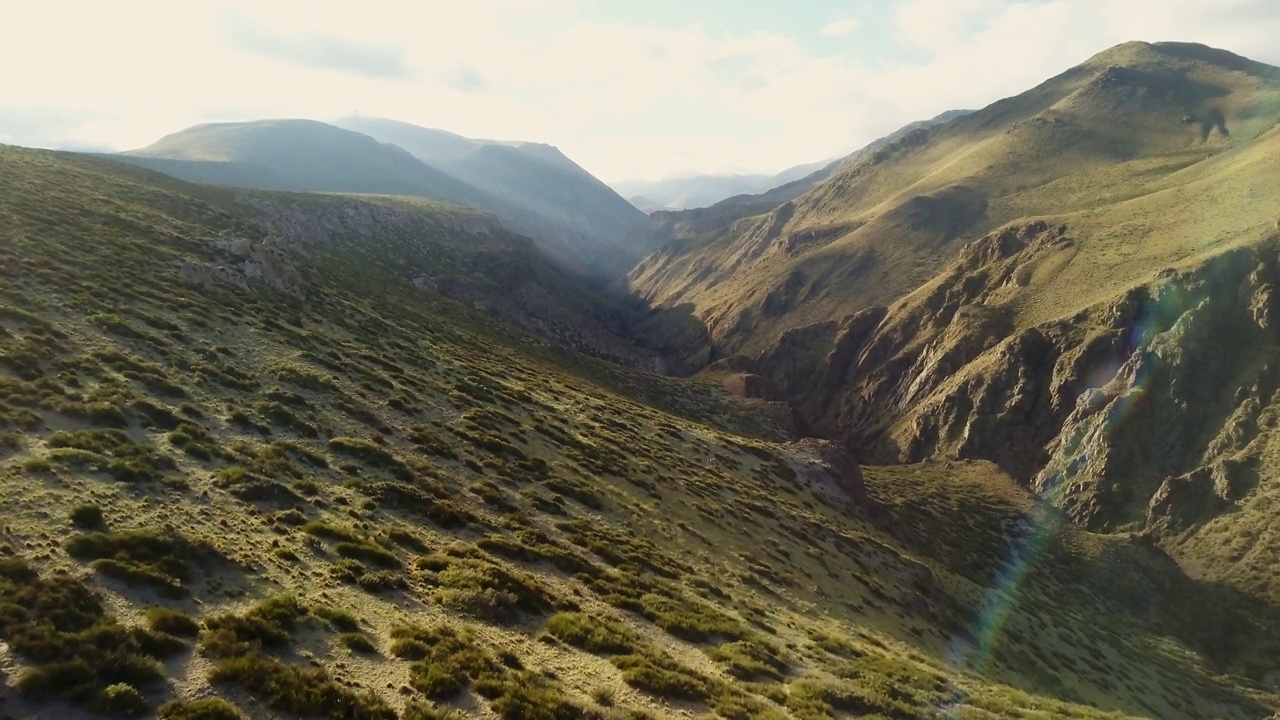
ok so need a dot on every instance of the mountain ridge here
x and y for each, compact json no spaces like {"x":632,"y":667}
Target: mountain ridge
{"x":535,"y":177}
{"x":996,"y":157}
{"x":574,"y":220}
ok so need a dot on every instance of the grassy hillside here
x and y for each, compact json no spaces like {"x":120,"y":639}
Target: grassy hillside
{"x":1154,"y":154}
{"x":249,"y":467}
{"x":558,"y":196}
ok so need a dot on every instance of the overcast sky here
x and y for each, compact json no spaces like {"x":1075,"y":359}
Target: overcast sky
{"x":631,"y":89}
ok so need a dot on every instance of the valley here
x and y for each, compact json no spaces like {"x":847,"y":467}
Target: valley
{"x":297,"y":421}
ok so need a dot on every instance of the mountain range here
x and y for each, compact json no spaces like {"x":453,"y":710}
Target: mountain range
{"x":696,"y":191}
{"x":370,"y":421}
{"x":533,"y":188}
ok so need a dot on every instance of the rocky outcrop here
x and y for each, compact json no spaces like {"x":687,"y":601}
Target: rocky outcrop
{"x":829,"y":470}
{"x":1144,"y":411}
{"x":244,"y":263}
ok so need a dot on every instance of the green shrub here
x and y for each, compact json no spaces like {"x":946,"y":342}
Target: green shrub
{"x":368,"y":452}
{"x":406,"y":540}
{"x":595,"y":634}
{"x":172,"y":622}
{"x":367,"y":552}
{"x":110,"y":451}
{"x":157,"y":558}
{"x":337,"y":617}
{"x":357,"y":642}
{"x":268,"y":624}
{"x":490,"y":591}
{"x":817,"y":699}
{"x":58,"y":626}
{"x":300,"y":690}
{"x":424,"y":711}
{"x":251,"y":487}
{"x":530,"y":696}
{"x":193,"y":440}
{"x":690,"y":620}
{"x":134,"y":574}
{"x":87,"y":517}
{"x":604,"y":695}
{"x":445,"y":660}
{"x":203,"y":709}
{"x":750,"y":660}
{"x":122,"y":700}
{"x":331,"y":532}
{"x":659,"y":674}
{"x":380,"y":581}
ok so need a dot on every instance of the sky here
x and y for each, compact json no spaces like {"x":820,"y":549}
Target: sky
{"x":630,"y":89}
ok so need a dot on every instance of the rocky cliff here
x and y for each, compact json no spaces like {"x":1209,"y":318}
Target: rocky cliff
{"x":1149,"y":410}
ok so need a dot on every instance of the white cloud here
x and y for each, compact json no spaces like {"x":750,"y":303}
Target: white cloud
{"x":938,"y":25}
{"x":624,"y":101}
{"x":841,"y":28}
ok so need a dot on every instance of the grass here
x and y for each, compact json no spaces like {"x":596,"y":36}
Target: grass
{"x":357,"y":642}
{"x":445,"y":660}
{"x":486,"y":590}
{"x":595,"y":634}
{"x":75,"y":651}
{"x":160,"y":560}
{"x":172,"y":622}
{"x":203,"y":709}
{"x":299,"y":690}
{"x":361,"y":451}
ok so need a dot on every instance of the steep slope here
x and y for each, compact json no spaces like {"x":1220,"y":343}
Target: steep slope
{"x":687,"y":229}
{"x":1125,"y":377}
{"x":1147,"y":150}
{"x":560,"y":199}
{"x":1152,"y":412}
{"x":236,"y":436}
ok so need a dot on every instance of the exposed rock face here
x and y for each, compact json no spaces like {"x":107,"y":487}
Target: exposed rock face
{"x":245,"y":263}
{"x":1139,"y":412}
{"x":833,"y":472}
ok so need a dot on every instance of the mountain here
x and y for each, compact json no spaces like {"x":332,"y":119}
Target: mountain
{"x":365,"y":457}
{"x":306,"y":155}
{"x":561,"y":198}
{"x":1075,"y":284}
{"x":685,"y":193}
{"x":703,"y":191}
{"x":679,"y":228}
{"x":1142,"y":146}
{"x":297,"y":155}
{"x":258,"y":461}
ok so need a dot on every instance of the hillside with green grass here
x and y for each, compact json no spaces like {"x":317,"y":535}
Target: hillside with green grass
{"x":1154,"y":155}
{"x":253,"y":465}
{"x":695,"y":227}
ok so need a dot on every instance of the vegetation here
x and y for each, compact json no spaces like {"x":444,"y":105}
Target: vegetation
{"x":205,"y":709}
{"x":314,"y":455}
{"x":75,"y":650}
